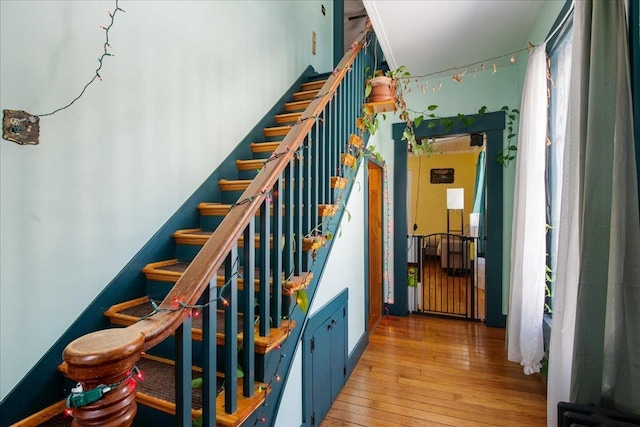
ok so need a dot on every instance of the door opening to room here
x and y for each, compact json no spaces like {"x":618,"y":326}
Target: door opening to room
{"x":447,"y":228}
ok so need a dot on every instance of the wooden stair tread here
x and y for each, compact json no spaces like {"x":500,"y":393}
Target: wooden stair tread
{"x":129,"y":312}
{"x":198,"y":237}
{"x":264,"y":147}
{"x":213,"y":209}
{"x":305,"y":95}
{"x":234,"y":184}
{"x":220,"y":209}
{"x":171,"y":270}
{"x":314,"y":85}
{"x":297,"y":105}
{"x":288,"y":117}
{"x":271,"y":132}
{"x":251,"y":164}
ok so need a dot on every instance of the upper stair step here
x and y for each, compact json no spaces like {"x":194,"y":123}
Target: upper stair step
{"x":234,"y":185}
{"x":288,"y":118}
{"x":130,"y":312}
{"x":171,"y":270}
{"x":314,"y":85}
{"x":305,"y":95}
{"x":276,"y":131}
{"x":198,"y":237}
{"x":264,"y":147}
{"x":219,"y":209}
{"x":250,"y":165}
{"x":296,"y":105}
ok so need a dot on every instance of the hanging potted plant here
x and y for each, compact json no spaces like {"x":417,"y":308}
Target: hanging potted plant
{"x":383,"y":93}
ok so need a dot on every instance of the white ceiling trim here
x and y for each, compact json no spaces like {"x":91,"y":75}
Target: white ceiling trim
{"x":376,"y":21}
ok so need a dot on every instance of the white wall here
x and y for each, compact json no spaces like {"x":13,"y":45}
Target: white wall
{"x":345,"y":267}
{"x":188,"y":80}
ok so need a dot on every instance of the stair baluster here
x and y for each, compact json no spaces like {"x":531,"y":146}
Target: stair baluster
{"x":209,"y":359}
{"x":248,"y":345}
{"x":183,"y":357}
{"x":231,"y":330}
{"x":276,"y":255}
{"x":265,"y":265}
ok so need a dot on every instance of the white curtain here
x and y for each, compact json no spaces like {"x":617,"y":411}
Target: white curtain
{"x":526,"y":296}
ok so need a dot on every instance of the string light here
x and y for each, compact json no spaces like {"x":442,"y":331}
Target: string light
{"x":80,"y":397}
{"x":100,"y":59}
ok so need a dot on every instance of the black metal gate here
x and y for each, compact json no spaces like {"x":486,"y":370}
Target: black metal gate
{"x":450,"y":277}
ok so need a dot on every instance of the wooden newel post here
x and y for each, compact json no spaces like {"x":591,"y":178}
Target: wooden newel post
{"x":105,"y":358}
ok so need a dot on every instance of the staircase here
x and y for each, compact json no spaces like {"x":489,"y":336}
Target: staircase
{"x":211,"y":333}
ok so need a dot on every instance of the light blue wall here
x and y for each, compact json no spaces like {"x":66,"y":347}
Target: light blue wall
{"x":188,"y":80}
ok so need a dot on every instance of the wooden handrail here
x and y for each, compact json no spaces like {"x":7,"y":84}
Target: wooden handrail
{"x":107,"y":356}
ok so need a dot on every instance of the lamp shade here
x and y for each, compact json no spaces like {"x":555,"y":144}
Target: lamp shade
{"x":455,"y":198}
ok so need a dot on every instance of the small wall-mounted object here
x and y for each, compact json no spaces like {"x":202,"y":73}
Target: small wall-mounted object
{"x":20,"y":127}
{"x":476,"y":140}
{"x":442,"y":176}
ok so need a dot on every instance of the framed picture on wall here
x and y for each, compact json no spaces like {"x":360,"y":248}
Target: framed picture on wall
{"x":442,"y":176}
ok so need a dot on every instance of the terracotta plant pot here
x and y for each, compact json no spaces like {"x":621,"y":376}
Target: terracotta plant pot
{"x":382,"y":89}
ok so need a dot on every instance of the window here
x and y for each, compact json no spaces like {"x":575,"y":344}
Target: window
{"x":559,"y":53}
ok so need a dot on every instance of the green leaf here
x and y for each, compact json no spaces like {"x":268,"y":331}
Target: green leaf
{"x":515,"y":111}
{"x":196,"y":383}
{"x":432,"y":107}
{"x":513,"y":148}
{"x":240,"y":371}
{"x":367,"y":91}
{"x":197,"y":422}
{"x":418,"y":120}
{"x":505,"y":108}
{"x":432,"y":124}
{"x":303,"y":300}
{"x":482,"y":109}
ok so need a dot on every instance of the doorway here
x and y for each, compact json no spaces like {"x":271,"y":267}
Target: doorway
{"x":493,"y":125}
{"x":445,"y":201}
{"x":375,"y":177}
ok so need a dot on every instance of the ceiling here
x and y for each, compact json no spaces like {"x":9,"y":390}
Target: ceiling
{"x":429,"y":36}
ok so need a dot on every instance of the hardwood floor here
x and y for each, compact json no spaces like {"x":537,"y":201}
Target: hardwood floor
{"x":426,"y":371}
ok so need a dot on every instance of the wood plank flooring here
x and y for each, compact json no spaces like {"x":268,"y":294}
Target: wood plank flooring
{"x":426,"y":371}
